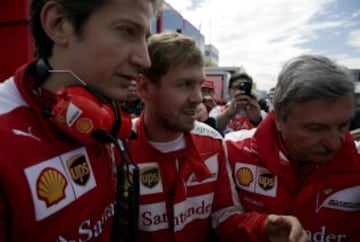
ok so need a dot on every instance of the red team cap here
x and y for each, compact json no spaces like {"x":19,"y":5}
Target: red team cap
{"x":208,"y":84}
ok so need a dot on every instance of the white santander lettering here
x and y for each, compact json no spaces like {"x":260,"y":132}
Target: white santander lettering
{"x":191,"y":209}
{"x":153,"y":217}
{"x":201,"y":210}
{"x":87,"y":231}
{"x":84,"y":229}
{"x":150,"y":219}
{"x":324,"y":236}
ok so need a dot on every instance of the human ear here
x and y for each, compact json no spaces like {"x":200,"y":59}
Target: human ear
{"x":143,"y":86}
{"x":54,"y":22}
{"x":278,"y":121}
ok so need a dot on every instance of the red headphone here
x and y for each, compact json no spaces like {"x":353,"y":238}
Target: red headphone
{"x":84,"y":113}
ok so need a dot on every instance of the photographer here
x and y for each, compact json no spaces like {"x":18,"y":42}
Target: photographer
{"x":242,"y":111}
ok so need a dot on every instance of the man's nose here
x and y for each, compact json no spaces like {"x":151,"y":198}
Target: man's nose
{"x":197,"y":95}
{"x":334,"y":139}
{"x":140,"y":57}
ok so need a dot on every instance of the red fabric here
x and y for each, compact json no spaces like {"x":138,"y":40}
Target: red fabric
{"x":14,"y":25}
{"x":239,"y":121}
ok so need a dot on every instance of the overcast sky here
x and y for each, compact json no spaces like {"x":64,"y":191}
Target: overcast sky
{"x":261,"y":35}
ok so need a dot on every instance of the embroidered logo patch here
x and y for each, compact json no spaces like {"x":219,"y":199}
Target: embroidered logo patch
{"x":51,"y":186}
{"x":345,"y":200}
{"x":256,"y":179}
{"x":149,"y":176}
{"x":57,"y":182}
{"x":266,"y":180}
{"x":78,"y":168}
{"x":244,"y":176}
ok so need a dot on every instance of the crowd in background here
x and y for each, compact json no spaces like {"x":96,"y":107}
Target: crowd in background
{"x":114,"y":134}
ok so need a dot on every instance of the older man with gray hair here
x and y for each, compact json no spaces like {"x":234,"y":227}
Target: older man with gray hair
{"x":301,"y":160}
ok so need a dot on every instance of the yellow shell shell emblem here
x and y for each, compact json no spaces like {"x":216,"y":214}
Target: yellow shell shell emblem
{"x":84,"y":125}
{"x":51,"y":186}
{"x":244,"y":176}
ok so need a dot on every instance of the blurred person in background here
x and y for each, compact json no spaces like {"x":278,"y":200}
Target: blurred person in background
{"x":242,"y":111}
{"x":208,"y":92}
{"x":264,"y":105}
{"x":133,"y":103}
{"x":202,"y":115}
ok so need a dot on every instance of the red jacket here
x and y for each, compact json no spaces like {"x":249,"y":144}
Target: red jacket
{"x":326,"y":199}
{"x":52,"y":188}
{"x":183,"y":192}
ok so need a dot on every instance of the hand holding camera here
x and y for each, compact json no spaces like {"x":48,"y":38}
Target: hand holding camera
{"x":246,"y":86}
{"x":246,"y":101}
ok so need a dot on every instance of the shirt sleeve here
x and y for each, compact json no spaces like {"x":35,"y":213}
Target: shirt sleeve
{"x":229,"y":219}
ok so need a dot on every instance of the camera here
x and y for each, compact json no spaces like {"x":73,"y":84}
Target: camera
{"x":246,"y":87}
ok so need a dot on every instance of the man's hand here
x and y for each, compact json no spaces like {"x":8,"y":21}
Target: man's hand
{"x":247,"y":103}
{"x":252,"y":109}
{"x":281,"y":228}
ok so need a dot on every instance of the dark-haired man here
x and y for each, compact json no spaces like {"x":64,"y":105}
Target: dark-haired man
{"x":57,"y":176}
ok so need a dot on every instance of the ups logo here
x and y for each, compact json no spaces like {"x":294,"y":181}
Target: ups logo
{"x":149,"y":177}
{"x":78,"y":169}
{"x":266,"y":180}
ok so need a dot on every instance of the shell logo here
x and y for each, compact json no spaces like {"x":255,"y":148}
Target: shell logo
{"x":244,"y":176}
{"x":84,"y":125}
{"x":51,"y":186}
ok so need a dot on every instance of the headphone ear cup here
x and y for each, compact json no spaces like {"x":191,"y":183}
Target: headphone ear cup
{"x":80,"y":114}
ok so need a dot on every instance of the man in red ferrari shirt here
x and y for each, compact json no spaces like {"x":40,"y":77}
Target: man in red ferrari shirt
{"x":302,"y":160}
{"x":57,"y":178}
{"x":185,"y":186}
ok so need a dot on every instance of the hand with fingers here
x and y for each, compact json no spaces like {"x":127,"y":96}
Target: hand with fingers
{"x":282,"y":228}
